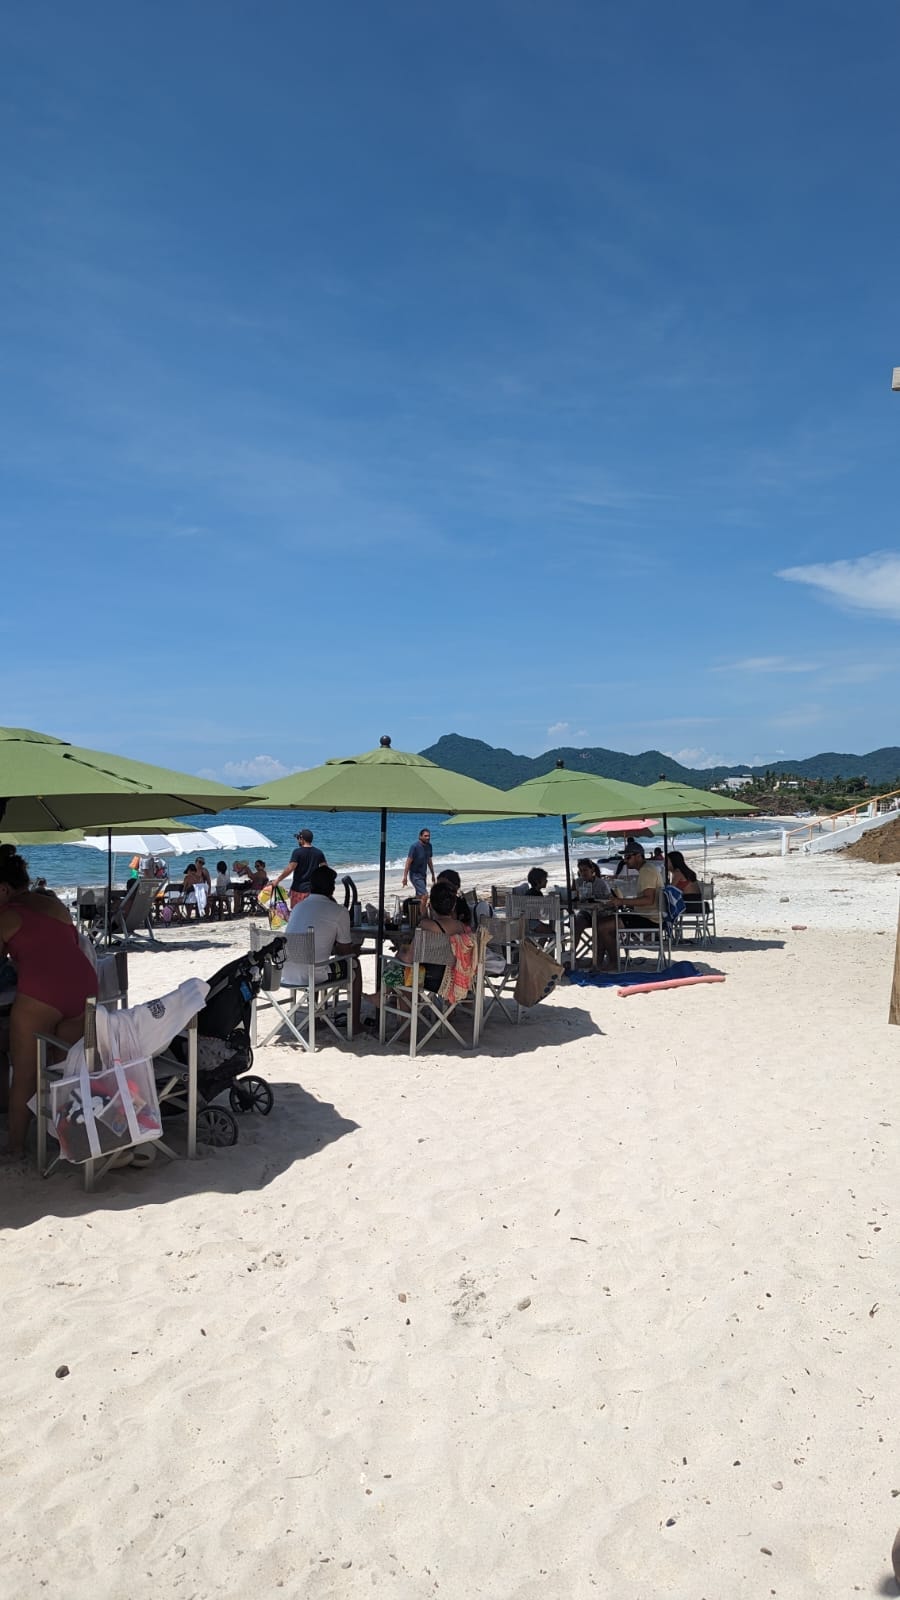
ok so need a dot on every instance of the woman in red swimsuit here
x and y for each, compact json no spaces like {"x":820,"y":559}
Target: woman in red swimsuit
{"x":54,"y":978}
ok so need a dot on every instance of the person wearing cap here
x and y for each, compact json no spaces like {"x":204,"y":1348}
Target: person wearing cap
{"x":640,"y":912}
{"x":317,"y":913}
{"x":303,"y":863}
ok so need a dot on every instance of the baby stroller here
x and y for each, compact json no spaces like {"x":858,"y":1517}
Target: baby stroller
{"x":224,"y":1052}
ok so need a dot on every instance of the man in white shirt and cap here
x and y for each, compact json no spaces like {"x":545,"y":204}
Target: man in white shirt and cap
{"x":330,"y":923}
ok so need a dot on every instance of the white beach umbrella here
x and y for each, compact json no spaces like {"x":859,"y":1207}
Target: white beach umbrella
{"x":134,"y":844}
{"x":188,"y":844}
{"x":231,"y":836}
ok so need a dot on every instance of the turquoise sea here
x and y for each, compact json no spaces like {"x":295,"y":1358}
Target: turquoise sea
{"x":350,"y":841}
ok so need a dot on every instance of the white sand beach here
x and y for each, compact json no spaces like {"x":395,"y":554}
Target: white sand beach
{"x":608,"y":1309}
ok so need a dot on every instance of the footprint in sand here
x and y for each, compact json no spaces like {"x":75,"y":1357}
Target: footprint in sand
{"x":471,"y":1301}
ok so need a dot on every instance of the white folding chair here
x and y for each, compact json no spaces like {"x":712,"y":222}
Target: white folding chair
{"x":699,"y":916}
{"x":421,"y":1008}
{"x":308,"y":1002}
{"x":540,"y":912}
{"x":500,"y":967}
{"x":112,"y":979}
{"x":655,"y":936}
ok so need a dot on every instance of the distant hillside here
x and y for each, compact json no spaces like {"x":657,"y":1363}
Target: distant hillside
{"x":505,"y":769}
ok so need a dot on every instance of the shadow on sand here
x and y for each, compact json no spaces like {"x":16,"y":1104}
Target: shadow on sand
{"x":299,"y":1126}
{"x":728,"y":945}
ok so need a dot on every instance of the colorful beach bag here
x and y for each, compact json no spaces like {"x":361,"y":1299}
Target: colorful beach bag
{"x":276,"y":905}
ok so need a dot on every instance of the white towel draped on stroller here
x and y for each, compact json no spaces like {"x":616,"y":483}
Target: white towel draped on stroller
{"x":116,"y":1106}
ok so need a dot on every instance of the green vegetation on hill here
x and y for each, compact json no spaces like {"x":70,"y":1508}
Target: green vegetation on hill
{"x":505,"y":769}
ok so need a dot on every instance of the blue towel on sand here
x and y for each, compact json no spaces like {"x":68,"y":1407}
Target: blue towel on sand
{"x":622,"y":980}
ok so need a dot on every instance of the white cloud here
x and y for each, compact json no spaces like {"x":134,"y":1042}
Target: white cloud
{"x":768,"y":664}
{"x":696,"y":756}
{"x":557,"y":728}
{"x":254,"y":769}
{"x":871,"y":583}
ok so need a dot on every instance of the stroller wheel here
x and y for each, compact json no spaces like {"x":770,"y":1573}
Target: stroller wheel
{"x":251,"y":1094}
{"x":216,"y":1126}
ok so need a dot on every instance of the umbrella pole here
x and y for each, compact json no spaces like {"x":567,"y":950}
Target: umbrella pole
{"x":665,"y":848}
{"x":565,"y":823}
{"x":382,"y":873}
{"x":108,"y":883}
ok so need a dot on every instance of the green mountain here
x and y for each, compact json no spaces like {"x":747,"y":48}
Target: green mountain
{"x":505,"y":769}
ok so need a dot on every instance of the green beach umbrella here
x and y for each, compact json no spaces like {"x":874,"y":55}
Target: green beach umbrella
{"x":563,"y":793}
{"x":679,"y":825}
{"x":24,"y":840}
{"x":697,"y":800}
{"x":680,"y":799}
{"x":381,"y":780}
{"x":47,"y":784}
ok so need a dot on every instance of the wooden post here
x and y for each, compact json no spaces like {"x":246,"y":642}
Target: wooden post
{"x":894,"y":1012}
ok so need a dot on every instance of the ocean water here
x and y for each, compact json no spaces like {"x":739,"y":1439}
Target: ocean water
{"x":350,"y":841}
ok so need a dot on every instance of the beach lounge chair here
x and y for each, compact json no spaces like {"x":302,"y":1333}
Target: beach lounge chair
{"x":134,"y":913}
{"x":301,"y":1005}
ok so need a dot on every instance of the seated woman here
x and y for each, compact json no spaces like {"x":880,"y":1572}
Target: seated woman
{"x":259,"y":877}
{"x":441,"y":918}
{"x":683,"y":876}
{"x":462,"y":910}
{"x":54,"y":979}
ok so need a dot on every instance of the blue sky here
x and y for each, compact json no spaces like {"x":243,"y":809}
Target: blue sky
{"x":517,"y":368}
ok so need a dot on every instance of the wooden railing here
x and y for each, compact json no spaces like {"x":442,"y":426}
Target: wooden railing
{"x":874,"y":806}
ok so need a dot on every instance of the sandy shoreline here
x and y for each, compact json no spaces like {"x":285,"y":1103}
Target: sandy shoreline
{"x":609,"y":1309}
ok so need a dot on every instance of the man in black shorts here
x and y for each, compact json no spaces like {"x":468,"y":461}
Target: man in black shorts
{"x":302,"y":864}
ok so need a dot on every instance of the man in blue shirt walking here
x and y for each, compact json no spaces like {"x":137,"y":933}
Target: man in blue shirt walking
{"x":419,"y":864}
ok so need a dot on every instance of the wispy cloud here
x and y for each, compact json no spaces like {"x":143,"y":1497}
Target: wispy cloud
{"x":768,"y":664}
{"x":557,"y":728}
{"x":870,"y":583}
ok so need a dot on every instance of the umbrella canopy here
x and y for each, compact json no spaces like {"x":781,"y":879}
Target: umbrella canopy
{"x":231,"y":836}
{"x":381,"y":780}
{"x":562,"y":792}
{"x":188,"y":844}
{"x":692,"y":800}
{"x":22,"y":838}
{"x":131,"y":844}
{"x":656,"y":829}
{"x":637,"y":825}
{"x":46,"y":783}
{"x":680,"y":825}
